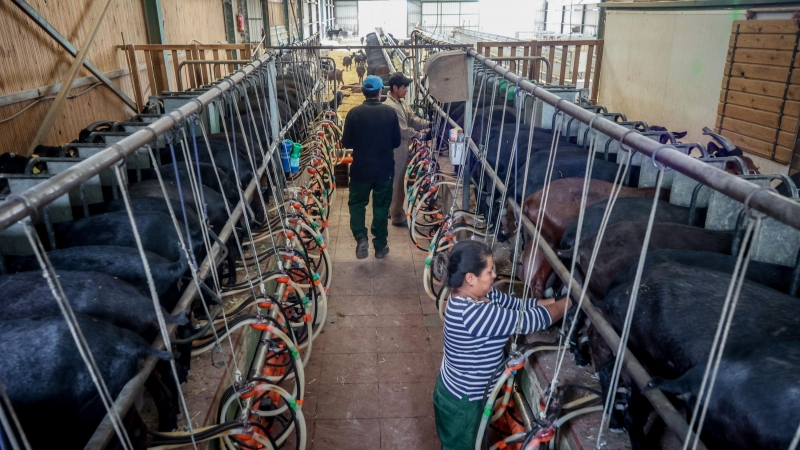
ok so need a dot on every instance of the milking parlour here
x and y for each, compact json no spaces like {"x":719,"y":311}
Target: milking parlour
{"x":399,"y":224}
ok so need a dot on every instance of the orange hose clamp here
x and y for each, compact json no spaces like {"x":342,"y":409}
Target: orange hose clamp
{"x":518,"y":366}
{"x":546,"y":434}
{"x":248,"y":390}
{"x":244,"y":436}
{"x":282,"y":280}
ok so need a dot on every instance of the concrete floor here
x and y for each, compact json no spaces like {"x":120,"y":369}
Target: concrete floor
{"x":372,"y":371}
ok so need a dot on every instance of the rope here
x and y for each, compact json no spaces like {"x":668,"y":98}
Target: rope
{"x":623,"y":342}
{"x":513,"y":161}
{"x":197,"y":193}
{"x":483,"y":152}
{"x":49,"y":273}
{"x":10,"y":431}
{"x":235,"y":157}
{"x":559,"y":118}
{"x":496,"y":165}
{"x":154,"y":295}
{"x":518,"y":236}
{"x":723,"y":327}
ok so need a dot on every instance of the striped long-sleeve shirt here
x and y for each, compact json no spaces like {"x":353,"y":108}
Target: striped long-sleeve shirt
{"x":475,"y":333}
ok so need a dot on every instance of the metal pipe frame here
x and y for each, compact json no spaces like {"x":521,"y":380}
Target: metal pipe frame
{"x":133,"y":388}
{"x":660,"y":403}
{"x":206,"y":61}
{"x":775,"y":206}
{"x":529,"y":58}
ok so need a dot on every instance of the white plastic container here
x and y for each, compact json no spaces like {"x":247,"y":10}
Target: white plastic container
{"x":457,"y":153}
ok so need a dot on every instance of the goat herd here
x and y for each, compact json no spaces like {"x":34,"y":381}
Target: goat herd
{"x":95,"y":256}
{"x":691,"y":254}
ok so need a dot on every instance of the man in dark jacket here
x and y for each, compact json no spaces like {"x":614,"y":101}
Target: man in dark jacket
{"x":371,"y":129}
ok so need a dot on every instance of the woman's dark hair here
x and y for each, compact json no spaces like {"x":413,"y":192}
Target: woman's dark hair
{"x":466,"y":257}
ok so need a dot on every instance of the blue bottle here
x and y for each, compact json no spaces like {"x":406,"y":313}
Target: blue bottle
{"x":286,"y":149}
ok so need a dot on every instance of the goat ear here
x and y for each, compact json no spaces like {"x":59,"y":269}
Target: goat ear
{"x":680,"y":134}
{"x":713,"y":149}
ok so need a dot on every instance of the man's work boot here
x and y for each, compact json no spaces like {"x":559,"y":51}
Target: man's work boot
{"x":362,"y":250}
{"x":382,"y":252}
{"x":403,"y":224}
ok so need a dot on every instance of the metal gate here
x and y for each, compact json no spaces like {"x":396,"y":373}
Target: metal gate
{"x":347,"y":16}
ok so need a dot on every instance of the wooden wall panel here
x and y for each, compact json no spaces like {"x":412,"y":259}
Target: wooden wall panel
{"x":277,"y":16}
{"x":30,"y":59}
{"x":196,"y":19}
{"x":761,"y":77}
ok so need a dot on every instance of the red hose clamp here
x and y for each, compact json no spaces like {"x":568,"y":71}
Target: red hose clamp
{"x":307,"y":318}
{"x":265,"y":305}
{"x":282,"y":280}
{"x":297,"y":206}
{"x":312,"y":170}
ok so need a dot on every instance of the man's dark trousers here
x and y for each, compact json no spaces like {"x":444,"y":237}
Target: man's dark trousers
{"x":381,"y":200}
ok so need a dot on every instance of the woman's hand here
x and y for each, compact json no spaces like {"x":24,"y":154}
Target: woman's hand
{"x":556,"y":308}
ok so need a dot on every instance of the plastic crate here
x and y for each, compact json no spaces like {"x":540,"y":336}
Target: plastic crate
{"x":342,"y":174}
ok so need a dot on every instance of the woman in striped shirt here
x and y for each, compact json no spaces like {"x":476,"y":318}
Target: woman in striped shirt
{"x":477,"y":323}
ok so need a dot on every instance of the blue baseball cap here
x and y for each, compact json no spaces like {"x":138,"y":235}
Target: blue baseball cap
{"x":372,"y":83}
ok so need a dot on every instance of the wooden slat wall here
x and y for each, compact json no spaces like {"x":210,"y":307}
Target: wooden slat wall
{"x":198,"y":19}
{"x":755,"y":97}
{"x":276,"y":13}
{"x":29,"y":58}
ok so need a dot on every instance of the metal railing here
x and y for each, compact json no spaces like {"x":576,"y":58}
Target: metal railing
{"x":771,"y":204}
{"x":19,"y":206}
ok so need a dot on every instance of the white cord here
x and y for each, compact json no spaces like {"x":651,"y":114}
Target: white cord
{"x":49,"y":273}
{"x":623,"y":342}
{"x":749,"y":241}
